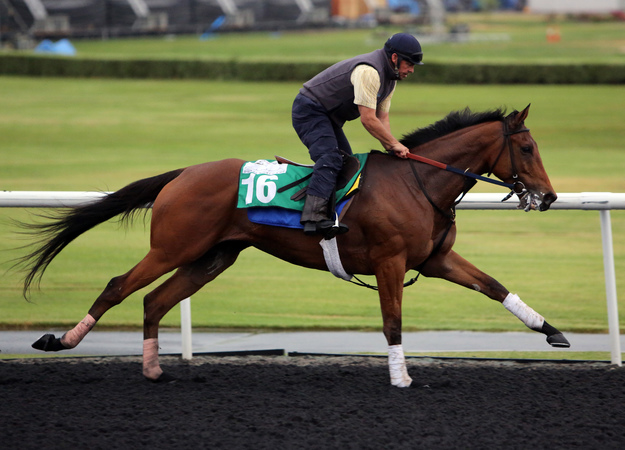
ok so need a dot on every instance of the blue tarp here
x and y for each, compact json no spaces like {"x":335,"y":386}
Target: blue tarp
{"x":62,"y":47}
{"x":409,"y":6}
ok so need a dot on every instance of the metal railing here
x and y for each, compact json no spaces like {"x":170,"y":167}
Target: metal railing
{"x":591,"y":201}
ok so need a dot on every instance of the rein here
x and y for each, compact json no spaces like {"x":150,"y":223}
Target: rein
{"x":515,"y":188}
{"x":465,"y":173}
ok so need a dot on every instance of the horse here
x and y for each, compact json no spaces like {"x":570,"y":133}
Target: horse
{"x":402,"y":219}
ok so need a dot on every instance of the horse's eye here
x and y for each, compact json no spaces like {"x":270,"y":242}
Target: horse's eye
{"x":527,"y":149}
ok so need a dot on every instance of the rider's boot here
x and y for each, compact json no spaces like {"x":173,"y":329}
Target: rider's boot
{"x":316,"y":218}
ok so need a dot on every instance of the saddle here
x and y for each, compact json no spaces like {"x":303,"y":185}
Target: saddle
{"x":351,"y":166}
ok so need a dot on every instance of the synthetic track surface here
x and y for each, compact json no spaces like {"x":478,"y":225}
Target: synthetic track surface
{"x":319,"y":402}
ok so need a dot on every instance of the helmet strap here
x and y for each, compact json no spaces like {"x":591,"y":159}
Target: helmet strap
{"x":396,"y":65}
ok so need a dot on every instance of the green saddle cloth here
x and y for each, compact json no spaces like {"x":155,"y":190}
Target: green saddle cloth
{"x":268,"y":183}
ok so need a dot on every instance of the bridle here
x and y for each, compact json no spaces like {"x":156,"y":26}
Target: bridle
{"x":517,"y":186}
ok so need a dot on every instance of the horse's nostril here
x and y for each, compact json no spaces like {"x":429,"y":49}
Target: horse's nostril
{"x":548,"y":199}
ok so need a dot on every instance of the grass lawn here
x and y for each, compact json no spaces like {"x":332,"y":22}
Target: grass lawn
{"x":67,"y":134}
{"x":493,"y":38}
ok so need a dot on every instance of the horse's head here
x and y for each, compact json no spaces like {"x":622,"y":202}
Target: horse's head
{"x":519,"y":163}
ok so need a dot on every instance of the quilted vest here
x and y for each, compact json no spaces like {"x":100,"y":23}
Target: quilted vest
{"x":333,"y":89}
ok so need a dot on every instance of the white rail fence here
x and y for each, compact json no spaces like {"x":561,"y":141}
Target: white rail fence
{"x":593,"y":201}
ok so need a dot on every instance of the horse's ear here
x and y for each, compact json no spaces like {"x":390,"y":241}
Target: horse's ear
{"x":519,"y":118}
{"x":524,"y":113}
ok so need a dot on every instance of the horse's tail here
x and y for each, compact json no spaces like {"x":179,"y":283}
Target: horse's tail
{"x":67,"y":225}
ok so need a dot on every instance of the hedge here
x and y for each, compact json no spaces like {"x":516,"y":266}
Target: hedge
{"x":52,"y":66}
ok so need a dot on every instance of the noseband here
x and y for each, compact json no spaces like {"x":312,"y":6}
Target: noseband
{"x":517,"y":186}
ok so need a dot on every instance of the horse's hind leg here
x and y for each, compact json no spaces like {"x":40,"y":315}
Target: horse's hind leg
{"x":144,"y":273}
{"x":185,"y":282}
{"x":454,"y":268}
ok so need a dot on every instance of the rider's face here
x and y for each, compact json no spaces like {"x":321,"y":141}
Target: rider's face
{"x":405,"y":68}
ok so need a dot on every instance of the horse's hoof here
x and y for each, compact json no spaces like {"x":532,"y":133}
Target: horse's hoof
{"x":48,"y":343}
{"x":163,"y":378}
{"x":558,"y":340}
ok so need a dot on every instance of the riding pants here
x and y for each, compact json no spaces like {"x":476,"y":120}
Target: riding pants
{"x":323,"y":138}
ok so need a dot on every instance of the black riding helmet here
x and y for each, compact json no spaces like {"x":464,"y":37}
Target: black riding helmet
{"x":406,"y":46}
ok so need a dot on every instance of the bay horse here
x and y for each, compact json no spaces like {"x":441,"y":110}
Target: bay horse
{"x":402,"y":219}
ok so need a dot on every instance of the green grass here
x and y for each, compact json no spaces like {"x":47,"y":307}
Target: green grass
{"x":495,"y":38}
{"x":67,"y":134}
{"x":523,"y":39}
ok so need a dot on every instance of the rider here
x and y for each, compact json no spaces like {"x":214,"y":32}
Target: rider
{"x":357,"y":87}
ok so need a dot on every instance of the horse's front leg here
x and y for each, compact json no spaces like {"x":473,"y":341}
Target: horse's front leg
{"x":390,"y":279}
{"x":455,"y":268}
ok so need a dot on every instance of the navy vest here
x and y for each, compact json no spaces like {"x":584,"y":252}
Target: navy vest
{"x":333,"y":89}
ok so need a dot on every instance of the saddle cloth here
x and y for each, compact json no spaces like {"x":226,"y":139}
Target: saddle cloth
{"x":271,"y":191}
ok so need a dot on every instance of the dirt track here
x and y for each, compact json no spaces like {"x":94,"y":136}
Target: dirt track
{"x":310,"y":402}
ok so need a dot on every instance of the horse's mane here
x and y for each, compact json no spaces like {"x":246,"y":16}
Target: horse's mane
{"x":455,"y":120}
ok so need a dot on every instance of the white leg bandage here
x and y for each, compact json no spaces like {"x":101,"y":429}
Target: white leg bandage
{"x":525,"y":314}
{"x":397,"y":366}
{"x":151,"y":367}
{"x":73,"y":337}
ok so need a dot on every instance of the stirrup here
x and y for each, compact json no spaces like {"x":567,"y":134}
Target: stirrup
{"x":327,"y":228}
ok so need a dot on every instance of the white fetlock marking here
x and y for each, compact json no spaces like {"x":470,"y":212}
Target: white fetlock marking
{"x":73,"y":337}
{"x":397,"y":366}
{"x":151,"y":366}
{"x":527,"y":315}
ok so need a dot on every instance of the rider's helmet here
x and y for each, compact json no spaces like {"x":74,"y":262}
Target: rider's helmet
{"x":406,"y":46}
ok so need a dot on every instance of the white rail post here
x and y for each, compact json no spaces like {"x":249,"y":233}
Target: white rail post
{"x":610,"y":286}
{"x":185,"y":328}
